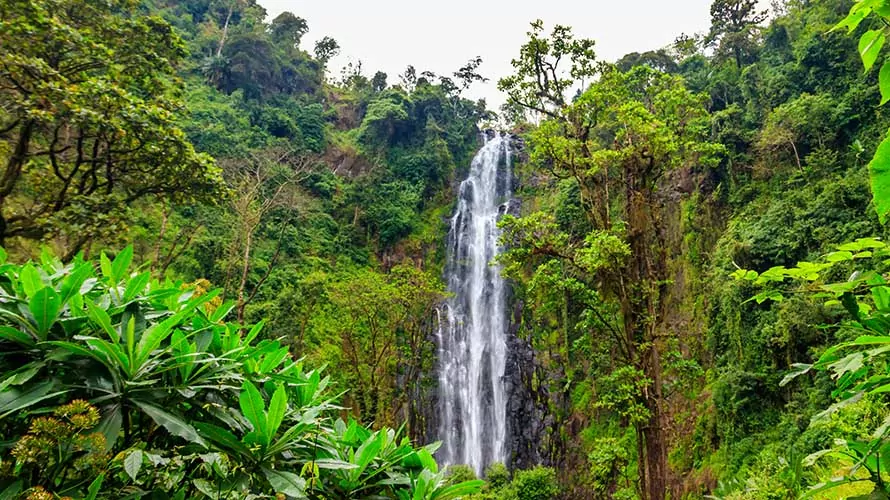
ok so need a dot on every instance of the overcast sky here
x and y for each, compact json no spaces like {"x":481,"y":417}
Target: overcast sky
{"x":388,"y":35}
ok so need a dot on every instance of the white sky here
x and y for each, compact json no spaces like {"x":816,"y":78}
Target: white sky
{"x":388,"y":35}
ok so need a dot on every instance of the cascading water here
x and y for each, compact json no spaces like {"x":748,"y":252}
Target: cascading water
{"x":473,"y":324}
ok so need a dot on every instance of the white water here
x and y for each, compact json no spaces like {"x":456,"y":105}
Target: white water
{"x":473,"y":325}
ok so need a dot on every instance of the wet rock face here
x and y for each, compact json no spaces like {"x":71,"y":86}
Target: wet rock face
{"x":525,"y":417}
{"x":526,"y":407}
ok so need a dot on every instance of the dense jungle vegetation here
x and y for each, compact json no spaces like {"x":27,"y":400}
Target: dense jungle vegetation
{"x":220,"y":258}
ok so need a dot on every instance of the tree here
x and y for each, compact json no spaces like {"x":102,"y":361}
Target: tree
{"x":88,"y":120}
{"x":660,"y":60}
{"x":326,"y":49}
{"x":618,"y":141}
{"x":542,"y":81}
{"x":685,"y":46}
{"x":408,"y":79}
{"x":383,"y":347}
{"x":288,"y":29}
{"x":733,"y":25}
{"x":378,"y":82}
{"x":467,"y":75}
{"x":230,"y":9}
{"x":385,"y":115}
{"x":252,"y":64}
{"x":805,"y":124}
{"x":259,"y":187}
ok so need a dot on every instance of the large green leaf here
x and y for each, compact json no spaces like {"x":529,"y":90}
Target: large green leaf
{"x":333,"y":464}
{"x":172,"y":423}
{"x":121,"y":263}
{"x":288,"y":483}
{"x":254,"y":332}
{"x":852,"y":21}
{"x":870,"y":46}
{"x":21,"y":375}
{"x":100,"y":317}
{"x":83,"y":351}
{"x":291,"y":438}
{"x":153,"y":337}
{"x":829,"y":485}
{"x":879,"y":172}
{"x":277,"y":410}
{"x":16,"y":335}
{"x":221,"y":311}
{"x":797,"y":370}
{"x":110,"y":425}
{"x":458,"y":490}
{"x":366,"y":453}
{"x":116,"y":357}
{"x":133,"y":463}
{"x":105,"y":266}
{"x":884,"y":82}
{"x":14,"y":400}
{"x":45,"y":306}
{"x":12,"y":491}
{"x":72,"y":283}
{"x":223,"y":438}
{"x":136,"y":285}
{"x":30,"y":280}
{"x":272,"y":360}
{"x":253,"y":408}
{"x":95,"y":487}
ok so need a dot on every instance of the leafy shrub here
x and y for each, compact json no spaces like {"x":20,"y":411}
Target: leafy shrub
{"x":460,"y":473}
{"x":535,"y":484}
{"x":497,"y":476}
{"x":539,"y":483}
{"x":186,"y":403}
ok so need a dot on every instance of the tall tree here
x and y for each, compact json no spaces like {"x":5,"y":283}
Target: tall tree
{"x":265,"y":184}
{"x":88,"y":103}
{"x":733,"y":26}
{"x":326,"y":49}
{"x":548,"y":68}
{"x":288,"y":28}
{"x":619,"y":141}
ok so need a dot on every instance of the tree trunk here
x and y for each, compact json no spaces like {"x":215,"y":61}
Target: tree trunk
{"x":12,"y":172}
{"x":222,"y":39}
{"x":653,"y":433}
{"x":656,"y":465}
{"x":245,"y":270}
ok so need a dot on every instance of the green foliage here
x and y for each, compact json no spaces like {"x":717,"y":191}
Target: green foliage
{"x":384,"y":118}
{"x":533,"y":91}
{"x":89,"y":103}
{"x":734,"y":24}
{"x":461,"y":473}
{"x":857,"y":366}
{"x":796,"y":121}
{"x":217,"y":123}
{"x":534,"y":484}
{"x":870,"y":45}
{"x":378,"y":320}
{"x":170,"y":384}
{"x":599,"y":291}
{"x":538,"y":483}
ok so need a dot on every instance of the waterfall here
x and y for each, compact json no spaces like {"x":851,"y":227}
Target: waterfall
{"x":473,"y":324}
